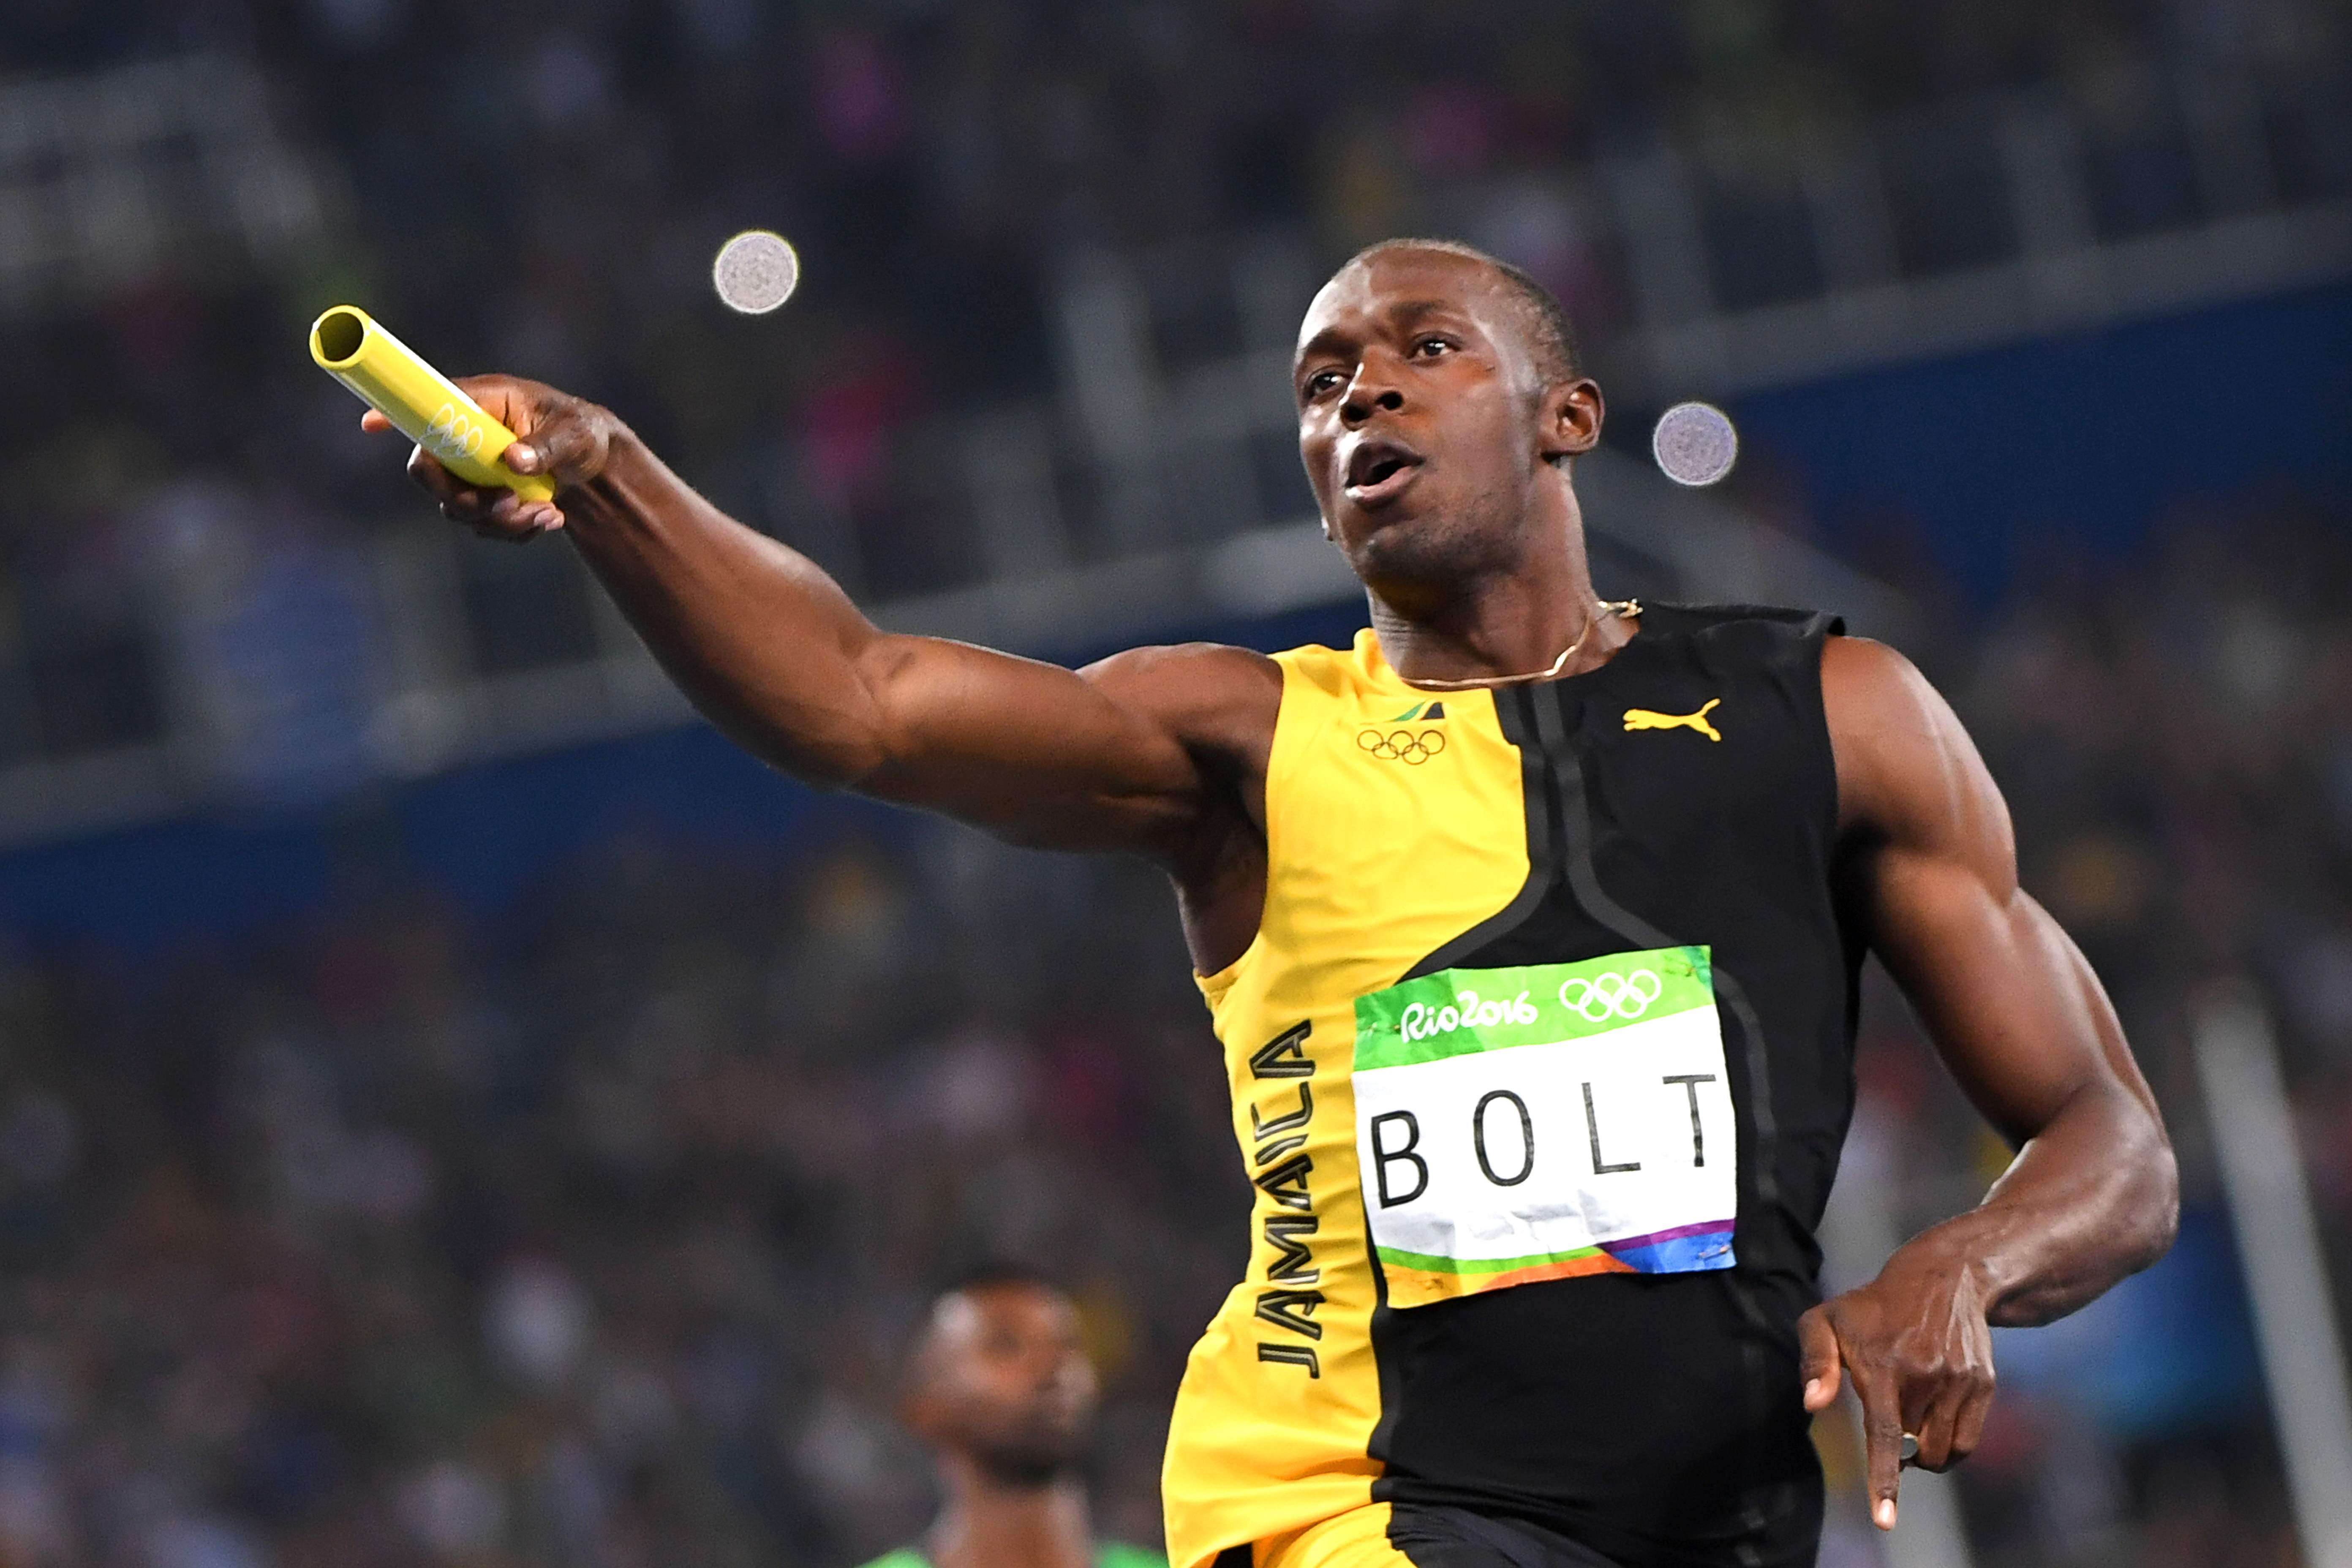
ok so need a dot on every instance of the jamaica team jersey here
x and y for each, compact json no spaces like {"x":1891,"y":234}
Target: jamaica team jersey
{"x":1540,"y":1062}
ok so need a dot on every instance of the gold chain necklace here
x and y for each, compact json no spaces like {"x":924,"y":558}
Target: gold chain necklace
{"x":1623,"y":610}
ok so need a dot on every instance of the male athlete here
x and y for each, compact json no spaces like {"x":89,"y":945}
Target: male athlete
{"x":1000,"y":1389}
{"x":1530,"y":926}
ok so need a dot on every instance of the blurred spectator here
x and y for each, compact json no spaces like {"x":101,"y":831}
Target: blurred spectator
{"x":999,"y":1387}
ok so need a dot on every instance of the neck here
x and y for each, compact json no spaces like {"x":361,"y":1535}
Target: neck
{"x":989,"y":1523}
{"x":1498,"y":624}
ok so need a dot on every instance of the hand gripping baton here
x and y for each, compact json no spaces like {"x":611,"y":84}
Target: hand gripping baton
{"x":424,"y":405}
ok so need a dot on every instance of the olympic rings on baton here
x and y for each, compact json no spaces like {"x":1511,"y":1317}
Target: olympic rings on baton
{"x":1626,"y":996}
{"x":1411,"y":747}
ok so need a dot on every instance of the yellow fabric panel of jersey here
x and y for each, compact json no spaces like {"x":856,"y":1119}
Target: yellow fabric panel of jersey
{"x":1357,"y":1539}
{"x":1383,"y":844}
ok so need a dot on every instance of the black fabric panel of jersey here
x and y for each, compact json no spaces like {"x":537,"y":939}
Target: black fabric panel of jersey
{"x":1430,"y":1537}
{"x":1657,"y":1418}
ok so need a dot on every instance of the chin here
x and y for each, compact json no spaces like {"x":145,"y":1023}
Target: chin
{"x":1027,"y":1464}
{"x":1432,"y":550}
{"x":1035,"y":1454}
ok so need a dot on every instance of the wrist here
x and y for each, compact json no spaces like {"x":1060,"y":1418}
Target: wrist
{"x":623,"y":473}
{"x":1965,"y":1262}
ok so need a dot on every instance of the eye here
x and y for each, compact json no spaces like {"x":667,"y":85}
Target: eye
{"x":1432,"y":347}
{"x":1322,"y":382}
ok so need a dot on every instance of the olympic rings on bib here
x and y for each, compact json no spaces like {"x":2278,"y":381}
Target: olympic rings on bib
{"x":1626,"y":996}
{"x":1407,"y":746}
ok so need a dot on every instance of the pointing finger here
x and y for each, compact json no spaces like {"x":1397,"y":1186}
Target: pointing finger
{"x":372,"y":422}
{"x":1881,"y":1438}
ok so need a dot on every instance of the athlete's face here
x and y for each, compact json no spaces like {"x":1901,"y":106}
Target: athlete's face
{"x":1424,"y":421}
{"x":1002,"y":1377}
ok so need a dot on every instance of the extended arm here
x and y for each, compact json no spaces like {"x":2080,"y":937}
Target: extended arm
{"x":1137,"y":752}
{"x":1929,"y":869}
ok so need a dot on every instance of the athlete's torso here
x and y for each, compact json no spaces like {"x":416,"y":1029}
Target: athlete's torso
{"x":1548,"y":991}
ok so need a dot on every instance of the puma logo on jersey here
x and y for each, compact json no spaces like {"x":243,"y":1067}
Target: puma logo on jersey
{"x":1643,"y":718}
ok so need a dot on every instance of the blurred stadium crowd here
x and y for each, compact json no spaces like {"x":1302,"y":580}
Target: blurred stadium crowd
{"x":593,"y":1240}
{"x":190,"y":523}
{"x":542,"y":188}
{"x":588,"y":1235}
{"x":588,"y":1238}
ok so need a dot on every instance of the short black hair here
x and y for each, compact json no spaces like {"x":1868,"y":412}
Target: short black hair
{"x":991,"y":1273}
{"x":1551,"y":335}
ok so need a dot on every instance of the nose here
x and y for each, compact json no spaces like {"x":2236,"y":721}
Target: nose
{"x":1373,"y":389}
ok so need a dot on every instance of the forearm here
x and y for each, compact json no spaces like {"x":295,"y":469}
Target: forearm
{"x":2028,"y":1031}
{"x":757,"y":635}
{"x":2091,"y":1198}
{"x":772,"y":651}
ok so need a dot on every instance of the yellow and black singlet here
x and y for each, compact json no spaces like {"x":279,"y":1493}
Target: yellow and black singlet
{"x":1541,"y":1061}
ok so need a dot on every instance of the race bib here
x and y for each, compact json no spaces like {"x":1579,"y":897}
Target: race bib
{"x":1522,"y":1124}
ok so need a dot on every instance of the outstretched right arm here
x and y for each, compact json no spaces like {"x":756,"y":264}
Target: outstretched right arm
{"x":1142,"y":751}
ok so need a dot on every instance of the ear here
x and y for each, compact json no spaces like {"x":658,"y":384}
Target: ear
{"x":1569,"y":418}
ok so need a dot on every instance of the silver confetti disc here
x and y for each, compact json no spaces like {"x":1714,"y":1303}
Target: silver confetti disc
{"x":756,"y":271}
{"x":1695,"y":444}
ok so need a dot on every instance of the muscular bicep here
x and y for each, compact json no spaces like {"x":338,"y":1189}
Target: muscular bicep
{"x":2000,"y":989}
{"x":1929,"y":869}
{"x":1131,"y":754}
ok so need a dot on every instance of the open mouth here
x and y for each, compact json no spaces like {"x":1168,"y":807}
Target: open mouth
{"x":1380,"y":468}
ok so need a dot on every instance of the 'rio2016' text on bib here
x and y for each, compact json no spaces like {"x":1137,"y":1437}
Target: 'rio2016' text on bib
{"x":1523,"y":1125}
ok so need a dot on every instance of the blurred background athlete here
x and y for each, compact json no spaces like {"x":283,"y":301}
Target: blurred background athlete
{"x":1548,"y":1304}
{"x":999,"y":1388}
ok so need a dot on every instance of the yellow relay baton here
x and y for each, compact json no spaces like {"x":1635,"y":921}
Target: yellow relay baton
{"x":424,"y":405}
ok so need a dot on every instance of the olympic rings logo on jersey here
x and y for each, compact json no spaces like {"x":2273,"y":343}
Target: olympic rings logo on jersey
{"x":1411,"y":747}
{"x":1625,"y":995}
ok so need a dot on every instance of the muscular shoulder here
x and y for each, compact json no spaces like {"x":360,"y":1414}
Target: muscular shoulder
{"x":1210,"y":695}
{"x":1908,"y":772}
